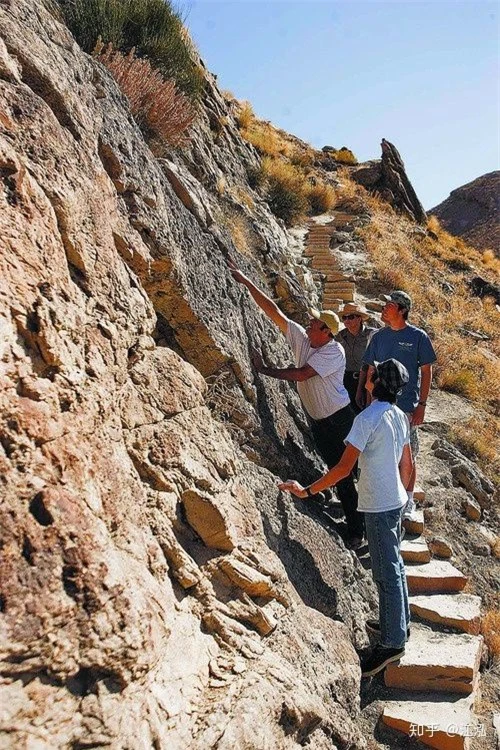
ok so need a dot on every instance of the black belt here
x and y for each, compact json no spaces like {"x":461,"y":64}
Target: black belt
{"x":353,"y":374}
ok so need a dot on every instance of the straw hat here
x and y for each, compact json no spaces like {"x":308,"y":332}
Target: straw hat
{"x":329,"y":317}
{"x":352,"y":308}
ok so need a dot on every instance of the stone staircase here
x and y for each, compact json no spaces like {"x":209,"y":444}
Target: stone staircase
{"x":437,"y":679}
{"x":321,"y":241}
{"x":439,"y":674}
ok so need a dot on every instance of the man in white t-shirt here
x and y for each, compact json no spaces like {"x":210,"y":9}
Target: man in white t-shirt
{"x":380,"y":441}
{"x":319,"y":373}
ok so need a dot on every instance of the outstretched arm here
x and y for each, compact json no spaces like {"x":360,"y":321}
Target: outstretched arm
{"x":338,"y":472}
{"x":266,"y":305}
{"x":296,"y":374}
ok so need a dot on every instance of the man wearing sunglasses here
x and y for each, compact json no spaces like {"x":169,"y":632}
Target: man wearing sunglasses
{"x":412,"y":347}
{"x":319,"y":373}
{"x":354,"y":338}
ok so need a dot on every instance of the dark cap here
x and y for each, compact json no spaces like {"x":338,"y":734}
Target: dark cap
{"x":398,"y":296}
{"x":392,"y":374}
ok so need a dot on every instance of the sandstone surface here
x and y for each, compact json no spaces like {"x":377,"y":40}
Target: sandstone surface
{"x":157,"y":589}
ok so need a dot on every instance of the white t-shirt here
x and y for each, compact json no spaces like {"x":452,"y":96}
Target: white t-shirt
{"x":324,"y":393}
{"x":380,"y":432}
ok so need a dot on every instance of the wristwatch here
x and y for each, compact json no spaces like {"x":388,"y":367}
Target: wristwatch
{"x":309,"y":493}
{"x":422,"y":403}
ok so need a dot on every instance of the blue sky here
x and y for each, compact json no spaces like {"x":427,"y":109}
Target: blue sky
{"x":424,"y":75}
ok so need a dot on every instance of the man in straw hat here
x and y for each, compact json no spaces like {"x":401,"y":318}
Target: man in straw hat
{"x":380,"y":441}
{"x":319,"y":372}
{"x":354,"y":338}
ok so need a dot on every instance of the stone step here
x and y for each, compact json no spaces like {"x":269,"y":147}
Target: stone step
{"x":415,"y":550}
{"x":419,"y":493}
{"x":460,"y":611}
{"x":416,"y":524}
{"x":442,"y":724}
{"x":344,"y":286}
{"x":435,"y":577}
{"x":345,"y":296}
{"x":441,"y":662}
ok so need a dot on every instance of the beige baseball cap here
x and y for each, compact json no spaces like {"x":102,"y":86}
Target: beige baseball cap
{"x":330,"y":318}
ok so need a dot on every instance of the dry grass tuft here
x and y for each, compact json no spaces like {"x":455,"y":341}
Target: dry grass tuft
{"x":245,"y":116}
{"x":321,"y":198}
{"x":490,"y":629}
{"x":157,"y":105}
{"x":343,"y":155}
{"x":474,"y":438}
{"x":286,"y":189}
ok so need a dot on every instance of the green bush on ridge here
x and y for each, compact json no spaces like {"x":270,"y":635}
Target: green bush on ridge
{"x":151,"y":27}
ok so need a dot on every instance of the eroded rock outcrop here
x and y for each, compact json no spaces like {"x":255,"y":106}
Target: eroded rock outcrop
{"x":388,"y":178}
{"x":156,"y":591}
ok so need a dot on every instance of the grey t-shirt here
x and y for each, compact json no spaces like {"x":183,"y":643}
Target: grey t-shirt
{"x":380,"y":432}
{"x":412,"y":347}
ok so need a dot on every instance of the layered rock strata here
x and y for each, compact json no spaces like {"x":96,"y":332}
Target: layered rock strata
{"x":157,"y":590}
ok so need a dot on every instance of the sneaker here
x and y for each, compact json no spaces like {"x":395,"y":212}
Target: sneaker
{"x":379,"y":658}
{"x":409,"y":511}
{"x":373,"y":626}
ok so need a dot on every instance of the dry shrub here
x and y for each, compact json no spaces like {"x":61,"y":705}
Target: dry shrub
{"x":287,"y":189}
{"x":245,"y":116}
{"x":474,"y":438}
{"x":156,"y":103}
{"x":321,"y":198}
{"x":302,"y":157}
{"x":343,"y":155}
{"x":490,"y":629}
{"x":491,"y":261}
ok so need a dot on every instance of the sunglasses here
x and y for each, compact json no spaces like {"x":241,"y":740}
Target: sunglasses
{"x":350,"y":317}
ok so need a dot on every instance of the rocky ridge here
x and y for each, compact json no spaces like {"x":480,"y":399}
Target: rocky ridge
{"x":472,"y":212}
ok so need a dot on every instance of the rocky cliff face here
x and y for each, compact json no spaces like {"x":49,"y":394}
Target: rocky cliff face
{"x":472,"y":212}
{"x":157,"y":591}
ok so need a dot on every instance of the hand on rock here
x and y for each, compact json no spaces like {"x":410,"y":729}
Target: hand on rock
{"x":257,"y":361}
{"x":294,"y":487}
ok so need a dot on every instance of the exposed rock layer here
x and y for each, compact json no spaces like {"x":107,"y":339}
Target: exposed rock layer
{"x":144,"y":601}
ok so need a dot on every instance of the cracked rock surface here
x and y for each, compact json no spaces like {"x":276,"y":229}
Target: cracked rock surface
{"x":156,"y":589}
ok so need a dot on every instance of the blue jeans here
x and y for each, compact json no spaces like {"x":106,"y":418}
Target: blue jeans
{"x":383,"y":531}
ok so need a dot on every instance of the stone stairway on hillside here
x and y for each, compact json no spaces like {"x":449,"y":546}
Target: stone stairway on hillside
{"x":437,"y":679}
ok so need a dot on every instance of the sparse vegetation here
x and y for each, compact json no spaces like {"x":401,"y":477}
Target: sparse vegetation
{"x":157,"y":105}
{"x":245,"y":116}
{"x":343,"y":155}
{"x":150,"y":27}
{"x":321,"y":198}
{"x":286,"y":189}
{"x":464,"y":328}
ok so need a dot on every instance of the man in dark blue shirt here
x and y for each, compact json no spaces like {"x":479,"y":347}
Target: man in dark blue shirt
{"x":412,"y":347}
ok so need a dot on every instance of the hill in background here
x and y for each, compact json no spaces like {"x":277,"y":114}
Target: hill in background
{"x":472,"y":212}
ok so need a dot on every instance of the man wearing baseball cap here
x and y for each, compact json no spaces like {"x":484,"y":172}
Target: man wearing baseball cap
{"x":412,"y":347}
{"x":319,"y":372}
{"x":380,"y":441}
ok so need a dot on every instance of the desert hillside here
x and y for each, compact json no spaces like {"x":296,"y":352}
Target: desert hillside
{"x":157,"y":589}
{"x":472,"y":212}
